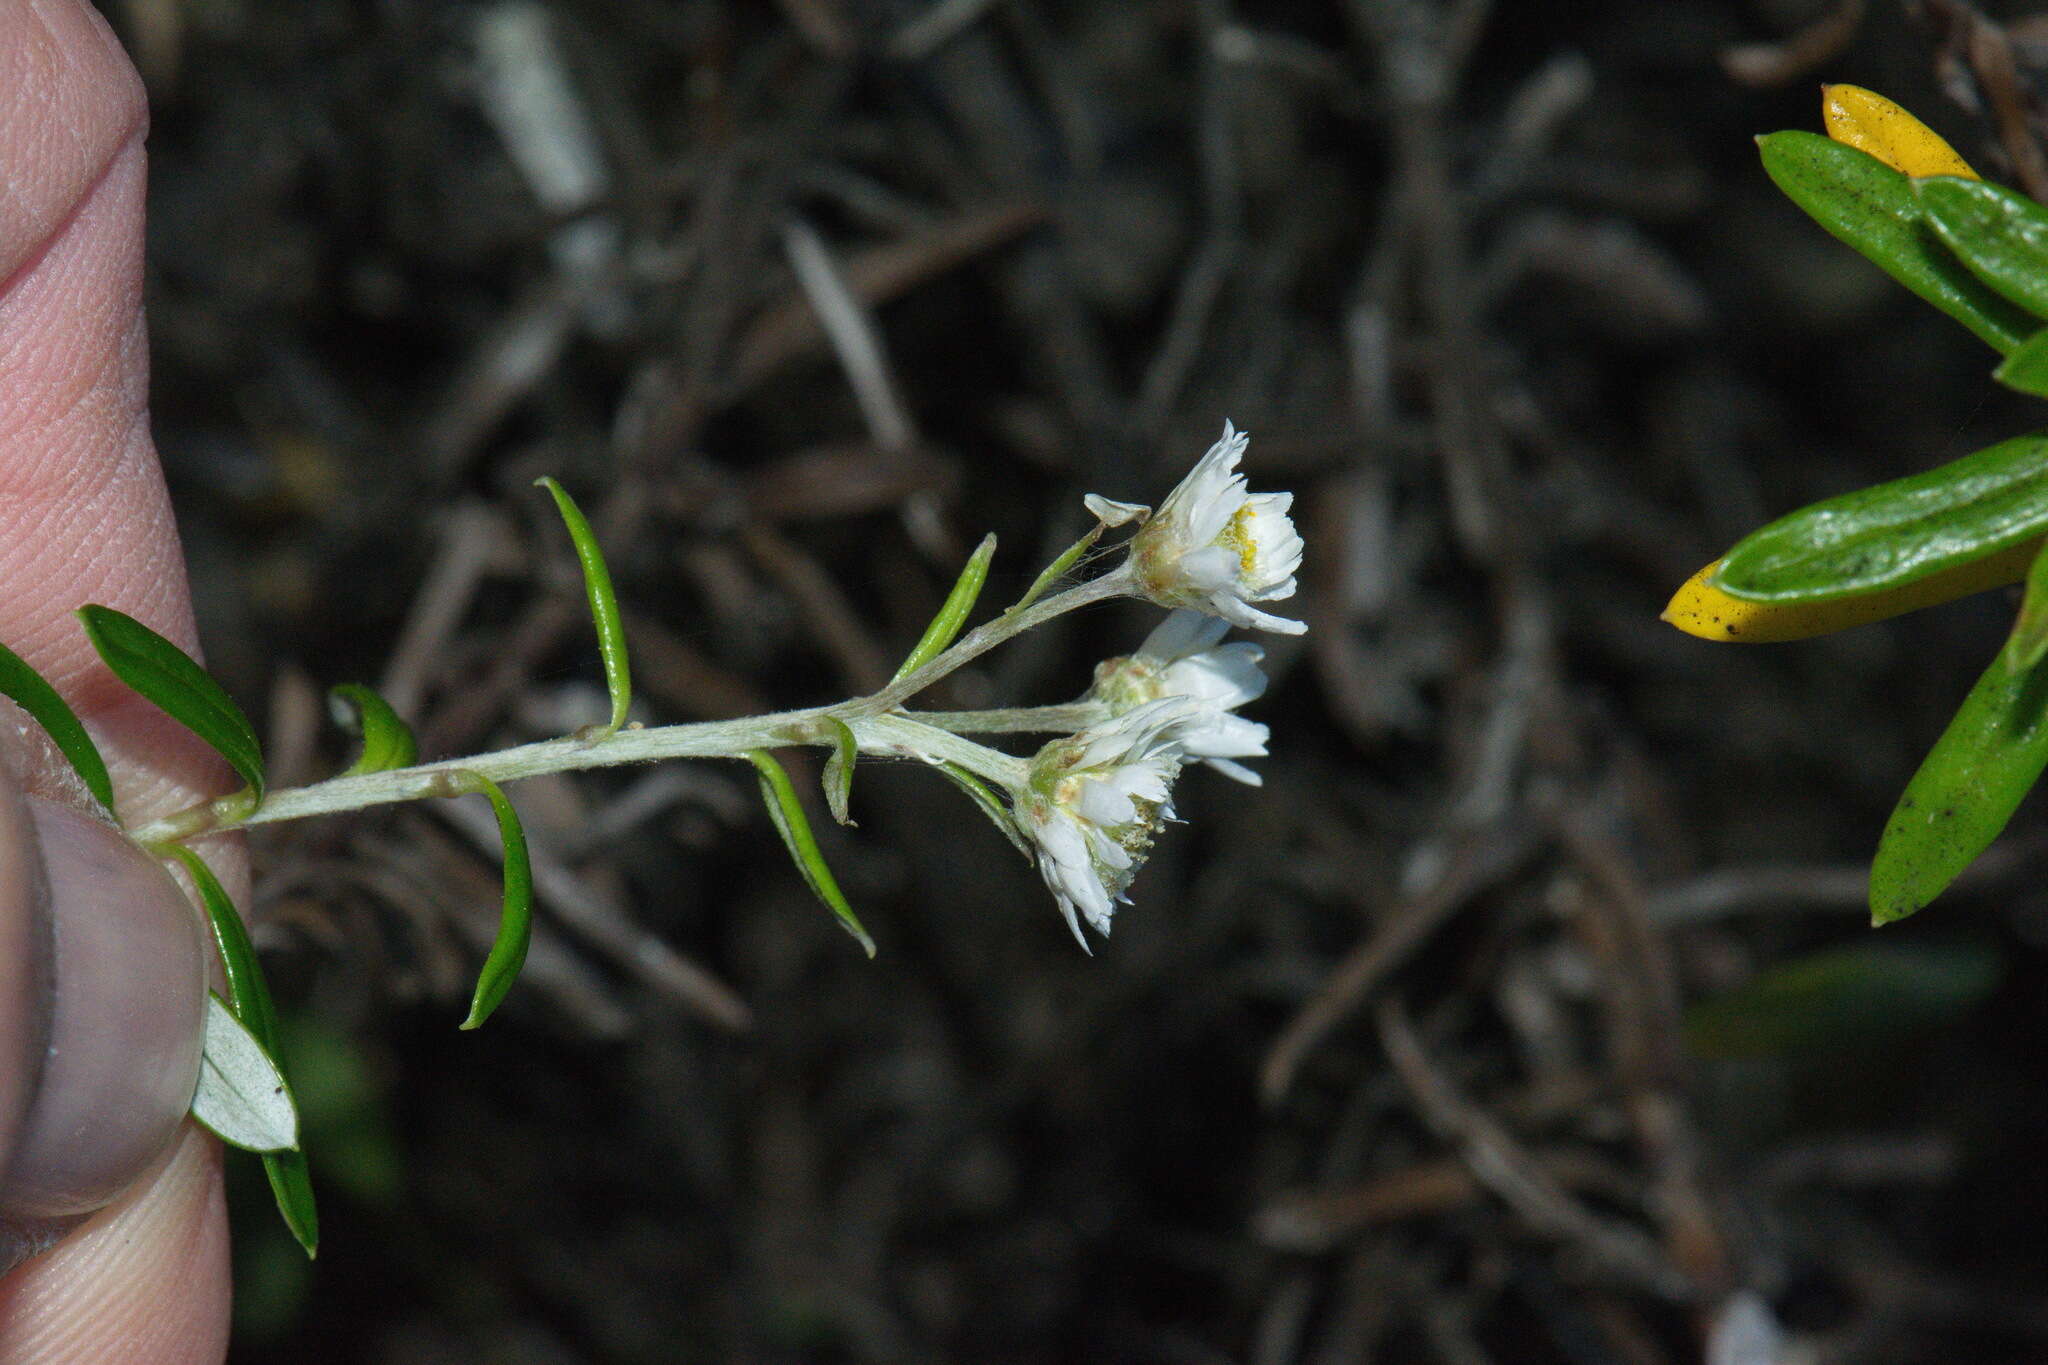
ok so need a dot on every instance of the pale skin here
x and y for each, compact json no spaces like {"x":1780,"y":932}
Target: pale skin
{"x":137,"y":1271}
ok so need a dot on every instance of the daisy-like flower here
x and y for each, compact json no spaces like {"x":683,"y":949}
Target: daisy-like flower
{"x":1094,"y":802}
{"x":1183,"y":657}
{"x":1216,"y":547}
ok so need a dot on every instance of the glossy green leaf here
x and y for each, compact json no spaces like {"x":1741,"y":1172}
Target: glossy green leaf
{"x":1895,"y":533}
{"x":1053,"y":572}
{"x":174,"y":681}
{"x":291,"y":1180}
{"x":291,"y":1183}
{"x":32,"y":693}
{"x":242,"y":1098}
{"x":2026,"y":367}
{"x":2028,"y":643}
{"x":838,"y":781}
{"x":952,"y":613}
{"x":604,"y":605}
{"x":1872,"y":207}
{"x":515,"y":919}
{"x":248,"y":991}
{"x":1848,"y":998}
{"x":1967,"y":788}
{"x":989,"y":804}
{"x":387,"y":740}
{"x":2000,"y":234}
{"x":787,"y":813}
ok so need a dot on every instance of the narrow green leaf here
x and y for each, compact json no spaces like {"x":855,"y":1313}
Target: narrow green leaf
{"x":945,"y":626}
{"x":242,"y":1097}
{"x":291,"y":1179}
{"x":2000,"y":234}
{"x":387,"y":740}
{"x":2026,"y":367}
{"x":839,"y":768}
{"x":604,"y":605}
{"x":1870,"y":206}
{"x":1896,"y":533}
{"x":515,"y":920}
{"x":33,"y":694}
{"x":787,"y":813}
{"x":989,"y":804}
{"x":1967,"y":788}
{"x":248,"y":991}
{"x":291,"y":1183}
{"x":1053,"y":572}
{"x":170,"y":678}
{"x":1846,"y":999}
{"x":2028,"y":643}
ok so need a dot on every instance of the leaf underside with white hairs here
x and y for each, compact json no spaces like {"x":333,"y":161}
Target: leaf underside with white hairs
{"x":242,"y":1097}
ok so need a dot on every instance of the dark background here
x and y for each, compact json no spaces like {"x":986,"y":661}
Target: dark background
{"x":1390,"y":1060}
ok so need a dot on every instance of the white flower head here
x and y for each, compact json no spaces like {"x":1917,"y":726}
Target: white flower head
{"x":1095,"y":801}
{"x":1217,"y":547}
{"x":1183,"y":657}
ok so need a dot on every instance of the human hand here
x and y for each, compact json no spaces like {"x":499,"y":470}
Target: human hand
{"x":103,"y":962}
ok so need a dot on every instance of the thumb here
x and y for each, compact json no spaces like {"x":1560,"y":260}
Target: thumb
{"x":101,"y":1009}
{"x":117,"y":1001}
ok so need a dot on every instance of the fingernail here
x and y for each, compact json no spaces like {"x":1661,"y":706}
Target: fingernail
{"x":127,"y":997}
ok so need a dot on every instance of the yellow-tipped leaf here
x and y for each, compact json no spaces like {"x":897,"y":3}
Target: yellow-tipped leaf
{"x":1699,"y":608}
{"x":1874,"y":125}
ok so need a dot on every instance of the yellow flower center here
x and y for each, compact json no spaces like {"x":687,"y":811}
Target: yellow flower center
{"x":1237,"y":536}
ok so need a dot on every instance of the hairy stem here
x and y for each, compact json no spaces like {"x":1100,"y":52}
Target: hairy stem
{"x":1065,"y":719}
{"x":878,"y":726}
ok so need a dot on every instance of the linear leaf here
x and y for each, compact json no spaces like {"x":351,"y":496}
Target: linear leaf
{"x":838,"y":781}
{"x":248,"y":991}
{"x":2028,"y":643}
{"x":387,"y":740}
{"x":1052,"y":572}
{"x":2026,"y":367}
{"x":952,"y":614}
{"x":33,"y":694}
{"x":515,"y":920}
{"x":174,"y":681}
{"x":787,"y":813}
{"x":1870,"y":206}
{"x":989,"y":804}
{"x":2000,"y":234}
{"x":1885,"y":537}
{"x":291,"y":1179}
{"x":604,"y":604}
{"x":242,"y":1097}
{"x":1966,"y":789}
{"x":291,"y":1184}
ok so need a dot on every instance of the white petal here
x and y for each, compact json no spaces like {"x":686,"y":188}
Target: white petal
{"x":1210,"y":569}
{"x":1060,"y":840}
{"x":1237,"y":771}
{"x":1181,"y":634}
{"x":1101,"y":802}
{"x":1225,"y":677}
{"x":1274,"y":593}
{"x":1073,"y":922}
{"x":1110,"y":512}
{"x":1098,"y":914}
{"x":1225,"y":736}
{"x":1239,"y":613}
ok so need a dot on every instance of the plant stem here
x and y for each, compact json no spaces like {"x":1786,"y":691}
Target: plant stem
{"x":1064,"y":719}
{"x":877,"y":726}
{"x":986,"y":636}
